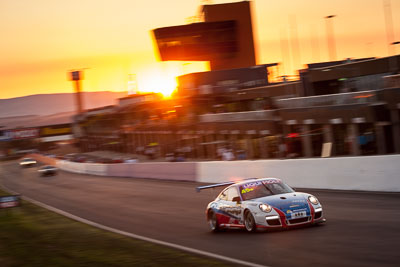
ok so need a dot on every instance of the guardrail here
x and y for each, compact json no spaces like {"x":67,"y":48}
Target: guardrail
{"x":239,"y":116}
{"x":329,"y":100}
{"x":185,"y":171}
{"x":368,"y":173}
{"x":391,"y":81}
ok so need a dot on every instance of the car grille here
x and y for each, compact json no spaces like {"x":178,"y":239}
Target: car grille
{"x":318,"y":215}
{"x":299,"y":220}
{"x":274,"y":222}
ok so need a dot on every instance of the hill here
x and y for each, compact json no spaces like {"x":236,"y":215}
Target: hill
{"x":47,"y":104}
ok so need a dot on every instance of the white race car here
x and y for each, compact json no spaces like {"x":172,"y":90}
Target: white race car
{"x":47,"y":170}
{"x":27,"y":162}
{"x":264,"y":203}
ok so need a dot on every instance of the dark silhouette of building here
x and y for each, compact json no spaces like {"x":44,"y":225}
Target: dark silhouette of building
{"x":225,"y":38}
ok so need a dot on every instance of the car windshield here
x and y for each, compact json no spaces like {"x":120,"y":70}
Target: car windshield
{"x":263,"y":188}
{"x":48,"y":167}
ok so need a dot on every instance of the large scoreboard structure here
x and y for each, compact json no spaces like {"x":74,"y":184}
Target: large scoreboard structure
{"x":198,"y":41}
{"x":225,"y":38}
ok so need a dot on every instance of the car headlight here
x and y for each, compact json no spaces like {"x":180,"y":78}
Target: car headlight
{"x":265,"y":207}
{"x":313,"y":200}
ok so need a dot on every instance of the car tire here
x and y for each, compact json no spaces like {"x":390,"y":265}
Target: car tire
{"x":249,"y":222}
{"x":213,"y":221}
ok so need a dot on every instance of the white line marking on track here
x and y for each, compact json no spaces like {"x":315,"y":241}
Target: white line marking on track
{"x":147,"y":239}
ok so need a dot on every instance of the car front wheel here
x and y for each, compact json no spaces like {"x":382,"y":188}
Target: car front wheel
{"x":213,"y":221}
{"x":249,"y":222}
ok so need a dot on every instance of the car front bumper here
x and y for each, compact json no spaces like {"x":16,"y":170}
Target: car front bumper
{"x":281,"y":220}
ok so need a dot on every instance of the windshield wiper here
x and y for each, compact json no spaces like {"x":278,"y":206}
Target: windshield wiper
{"x":272,"y":193}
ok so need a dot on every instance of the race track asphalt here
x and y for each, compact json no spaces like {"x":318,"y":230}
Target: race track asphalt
{"x":362,"y":229}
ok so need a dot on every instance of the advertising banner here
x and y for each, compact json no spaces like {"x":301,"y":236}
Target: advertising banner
{"x":22,"y":134}
{"x":9,"y":202}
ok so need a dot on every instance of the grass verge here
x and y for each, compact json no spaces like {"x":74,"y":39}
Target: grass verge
{"x":33,"y":236}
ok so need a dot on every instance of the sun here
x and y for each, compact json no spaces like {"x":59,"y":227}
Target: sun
{"x":158,"y":80}
{"x":161,"y":76}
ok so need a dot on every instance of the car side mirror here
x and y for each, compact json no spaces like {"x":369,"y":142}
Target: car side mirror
{"x":236,"y":199}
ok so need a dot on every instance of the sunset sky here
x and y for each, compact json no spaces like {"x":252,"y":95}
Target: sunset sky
{"x":41,"y":40}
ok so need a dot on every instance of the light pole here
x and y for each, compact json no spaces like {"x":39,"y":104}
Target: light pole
{"x":389,"y":26}
{"x":295,"y":43}
{"x":330,"y":37}
{"x":395,"y":58}
{"x":395,"y":43}
{"x":76,"y":76}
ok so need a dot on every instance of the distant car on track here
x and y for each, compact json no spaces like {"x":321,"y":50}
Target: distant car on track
{"x":27,"y":162}
{"x":47,"y":170}
{"x":265,"y":203}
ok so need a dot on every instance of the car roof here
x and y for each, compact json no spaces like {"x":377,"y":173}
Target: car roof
{"x":251,"y":180}
{"x":48,"y":166}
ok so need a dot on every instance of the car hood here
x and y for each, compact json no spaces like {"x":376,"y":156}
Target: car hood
{"x":286,"y":202}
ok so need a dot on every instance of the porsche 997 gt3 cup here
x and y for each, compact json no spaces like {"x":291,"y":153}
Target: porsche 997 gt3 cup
{"x":265,"y":203}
